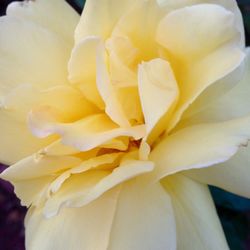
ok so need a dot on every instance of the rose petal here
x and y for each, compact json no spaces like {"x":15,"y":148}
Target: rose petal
{"x":87,"y":227}
{"x":144,"y":218}
{"x":198,"y":226}
{"x":232,"y":175}
{"x":159,"y":94}
{"x":200,"y":146}
{"x":49,"y":14}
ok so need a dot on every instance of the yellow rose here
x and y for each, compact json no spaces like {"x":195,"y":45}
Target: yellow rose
{"x":114,"y":124}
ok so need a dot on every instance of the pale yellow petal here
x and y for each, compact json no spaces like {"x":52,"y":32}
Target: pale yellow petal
{"x":39,"y":165}
{"x":132,"y":25}
{"x":49,"y":14}
{"x":230,"y":5}
{"x":144,"y":219}
{"x":176,"y":31}
{"x":131,"y":104}
{"x":123,"y":60}
{"x":232,"y":175}
{"x":58,"y":149}
{"x":200,"y":62}
{"x":81,"y":189}
{"x":82,"y":69}
{"x":159,"y":94}
{"x":26,"y":61}
{"x":102,"y":162}
{"x":200,"y":146}
{"x":197,"y":223}
{"x":84,"y":134}
{"x":203,"y":74}
{"x":65,"y":101}
{"x":107,"y":91}
{"x":13,"y":134}
{"x":33,"y":191}
{"x":32,"y":176}
{"x":234,"y":103}
{"x":99,"y":17}
{"x":86,"y":227}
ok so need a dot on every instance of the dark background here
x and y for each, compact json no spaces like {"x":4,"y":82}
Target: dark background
{"x":234,"y":211}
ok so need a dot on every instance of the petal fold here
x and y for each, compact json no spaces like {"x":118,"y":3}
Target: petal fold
{"x":200,"y":146}
{"x":159,"y":94}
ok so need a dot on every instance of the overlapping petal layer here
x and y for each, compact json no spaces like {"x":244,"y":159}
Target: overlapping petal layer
{"x":105,"y":115}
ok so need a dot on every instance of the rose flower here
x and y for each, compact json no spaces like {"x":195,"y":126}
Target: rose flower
{"x":115,"y":122}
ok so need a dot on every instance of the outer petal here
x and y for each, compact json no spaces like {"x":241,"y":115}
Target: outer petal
{"x":64,"y":100}
{"x":234,"y":103}
{"x":198,"y":226}
{"x":26,"y":61}
{"x":159,"y":94}
{"x":13,"y":134}
{"x":20,"y":42}
{"x":49,"y":14}
{"x":230,"y":5}
{"x":200,"y":146}
{"x":32,"y":176}
{"x":87,"y":227}
{"x":232,"y":175}
{"x":176,"y":32}
{"x":99,"y":17}
{"x":144,"y":219}
{"x":38,"y":165}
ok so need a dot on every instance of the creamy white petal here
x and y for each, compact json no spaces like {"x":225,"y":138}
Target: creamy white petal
{"x":159,"y":94}
{"x":49,"y":14}
{"x":232,"y":175}
{"x":197,"y":223}
{"x":200,"y":146}
{"x":86,"y":227}
{"x":144,"y":218}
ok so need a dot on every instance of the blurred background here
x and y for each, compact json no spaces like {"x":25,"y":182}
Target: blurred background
{"x":234,"y":211}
